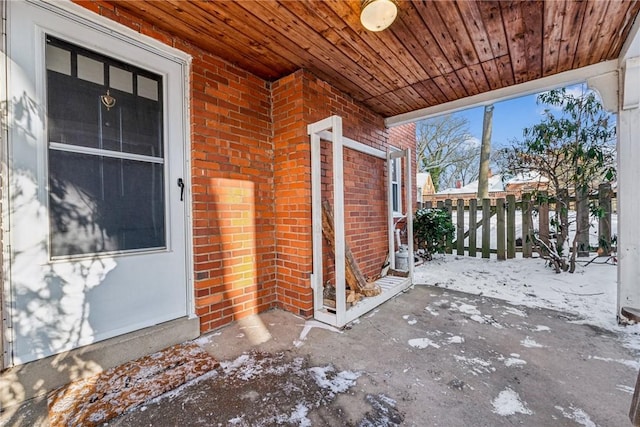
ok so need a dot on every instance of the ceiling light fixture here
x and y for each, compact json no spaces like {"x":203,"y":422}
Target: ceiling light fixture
{"x":377,"y":15}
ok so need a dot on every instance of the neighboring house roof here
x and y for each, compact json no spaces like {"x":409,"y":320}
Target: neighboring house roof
{"x":424,"y":185}
{"x":526,"y":178}
{"x":422,"y":178}
{"x":495,"y":184}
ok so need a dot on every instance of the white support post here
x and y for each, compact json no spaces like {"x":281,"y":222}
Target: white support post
{"x":409,"y":215}
{"x":391,"y":224}
{"x":628,"y":177}
{"x":330,"y":129}
{"x":316,"y":216}
{"x":628,"y":209}
{"x":338,"y":219}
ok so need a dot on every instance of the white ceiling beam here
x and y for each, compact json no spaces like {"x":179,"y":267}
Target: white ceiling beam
{"x":631,"y":46}
{"x":631,"y":84}
{"x":528,"y":88}
{"x":606,"y":85}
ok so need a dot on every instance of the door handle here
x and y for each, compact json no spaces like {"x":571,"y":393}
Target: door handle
{"x":181,"y":185}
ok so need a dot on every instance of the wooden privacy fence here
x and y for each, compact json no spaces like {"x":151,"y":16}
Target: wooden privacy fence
{"x":517,"y":221}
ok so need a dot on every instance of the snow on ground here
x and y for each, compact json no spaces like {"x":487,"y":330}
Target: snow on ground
{"x":589,"y":294}
{"x":286,"y":390}
{"x":508,"y":403}
{"x":578,"y":415}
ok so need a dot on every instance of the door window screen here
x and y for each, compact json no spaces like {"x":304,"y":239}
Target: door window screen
{"x":106,"y":154}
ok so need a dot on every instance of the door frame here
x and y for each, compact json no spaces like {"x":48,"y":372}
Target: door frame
{"x":121,"y":33}
{"x":4,"y":214}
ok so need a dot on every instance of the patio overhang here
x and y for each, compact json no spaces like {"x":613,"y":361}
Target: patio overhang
{"x":436,"y":56}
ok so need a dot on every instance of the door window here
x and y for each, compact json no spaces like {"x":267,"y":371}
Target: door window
{"x":106,"y":154}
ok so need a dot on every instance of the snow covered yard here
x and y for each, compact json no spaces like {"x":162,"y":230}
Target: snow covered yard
{"x":590,"y":293}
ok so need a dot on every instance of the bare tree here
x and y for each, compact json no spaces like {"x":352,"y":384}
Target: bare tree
{"x":447,"y":150}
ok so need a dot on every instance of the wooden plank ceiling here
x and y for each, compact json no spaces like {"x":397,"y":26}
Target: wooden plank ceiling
{"x":435,"y":52}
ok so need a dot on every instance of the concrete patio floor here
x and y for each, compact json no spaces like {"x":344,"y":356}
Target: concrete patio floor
{"x":428,"y":357}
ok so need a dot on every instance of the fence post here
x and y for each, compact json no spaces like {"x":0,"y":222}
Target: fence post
{"x":582,"y":221}
{"x":473,"y":208}
{"x":511,"y":226}
{"x":460,"y":226}
{"x":500,"y":229}
{"x":604,"y":223}
{"x":526,"y":225}
{"x":448,"y":206}
{"x":543,"y":219}
{"x":486,"y":228}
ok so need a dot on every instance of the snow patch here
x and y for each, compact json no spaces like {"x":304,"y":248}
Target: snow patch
{"x":486,"y":319}
{"x":422,"y":343}
{"x":299,"y":416}
{"x":476,"y":365}
{"x":336,"y":383}
{"x":432,"y":311}
{"x":207,"y":339}
{"x":455,"y":340}
{"x":512,"y":361}
{"x":577,"y":415}
{"x":508,"y":403}
{"x":530,"y":343}
{"x":542,"y":328}
{"x":630,"y":363}
{"x":244,"y":364}
{"x":236,"y":421}
{"x":468,"y":309}
{"x":409,"y":322}
{"x":478,"y":319}
{"x":625,"y":388}
{"x":515,"y":311}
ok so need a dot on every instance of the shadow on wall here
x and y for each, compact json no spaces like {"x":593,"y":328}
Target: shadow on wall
{"x":48,"y":301}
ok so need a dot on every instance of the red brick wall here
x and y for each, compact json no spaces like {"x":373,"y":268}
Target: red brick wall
{"x":300,"y":99}
{"x":292,"y":179}
{"x":251,"y":188}
{"x":232,"y":177}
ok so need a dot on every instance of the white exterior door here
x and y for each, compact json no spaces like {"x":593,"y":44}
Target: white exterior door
{"x":96,"y":205}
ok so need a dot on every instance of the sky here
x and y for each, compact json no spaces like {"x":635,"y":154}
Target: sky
{"x":509,"y":119}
